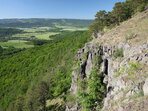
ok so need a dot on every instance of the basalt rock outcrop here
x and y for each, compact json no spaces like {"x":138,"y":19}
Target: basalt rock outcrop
{"x":125,"y":71}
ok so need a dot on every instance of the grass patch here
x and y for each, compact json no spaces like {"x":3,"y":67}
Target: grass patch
{"x":133,"y":67}
{"x":16,"y":44}
{"x":54,"y":102}
{"x":121,"y":71}
{"x":135,"y":96}
{"x":74,"y":29}
{"x":71,"y":98}
{"x":44,"y":35}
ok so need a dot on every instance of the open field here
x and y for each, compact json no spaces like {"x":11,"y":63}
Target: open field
{"x":74,"y":29}
{"x":19,"y":40}
{"x":67,"y":28}
{"x":41,"y":35}
{"x":16,"y":44}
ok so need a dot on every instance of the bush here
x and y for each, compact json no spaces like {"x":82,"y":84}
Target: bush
{"x":93,"y":97}
{"x":133,"y":67}
{"x":118,"y":53}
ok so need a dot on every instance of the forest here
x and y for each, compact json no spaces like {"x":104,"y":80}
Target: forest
{"x":39,"y":68}
{"x":122,"y":11}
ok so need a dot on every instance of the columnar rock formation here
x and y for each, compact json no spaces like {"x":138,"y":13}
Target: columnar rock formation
{"x":126,"y":74}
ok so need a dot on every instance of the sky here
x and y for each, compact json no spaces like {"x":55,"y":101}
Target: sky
{"x":78,"y":9}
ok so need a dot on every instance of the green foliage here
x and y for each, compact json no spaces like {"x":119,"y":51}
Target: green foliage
{"x":96,"y":27}
{"x":138,"y":95}
{"x":50,"y":62}
{"x":36,"y":97}
{"x":118,"y":53}
{"x":55,"y":30}
{"x":137,"y":5}
{"x":19,"y":104}
{"x":71,"y":98}
{"x":93,"y":97}
{"x":121,"y":71}
{"x":1,"y":49}
{"x":5,"y":32}
{"x":9,"y":51}
{"x":57,"y":107}
{"x":133,"y":67}
{"x":39,"y":42}
{"x":121,"y":12}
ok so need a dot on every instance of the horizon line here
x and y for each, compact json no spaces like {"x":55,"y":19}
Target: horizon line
{"x":47,"y":18}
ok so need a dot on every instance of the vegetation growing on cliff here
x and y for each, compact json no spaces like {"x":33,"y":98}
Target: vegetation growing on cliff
{"x":91,"y":95}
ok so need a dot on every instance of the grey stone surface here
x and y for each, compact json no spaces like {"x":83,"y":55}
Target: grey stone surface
{"x":117,"y":87}
{"x":145,"y":87}
{"x":89,"y":65}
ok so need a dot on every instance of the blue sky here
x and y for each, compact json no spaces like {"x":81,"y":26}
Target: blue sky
{"x":82,"y":9}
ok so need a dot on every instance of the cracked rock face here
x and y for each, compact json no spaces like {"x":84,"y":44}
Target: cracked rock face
{"x":126,"y":77}
{"x":89,"y":65}
{"x":123,"y":84}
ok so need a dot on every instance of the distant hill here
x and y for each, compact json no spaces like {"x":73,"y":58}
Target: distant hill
{"x":37,"y":22}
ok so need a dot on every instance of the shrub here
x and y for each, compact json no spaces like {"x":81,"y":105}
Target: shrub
{"x":92,"y":96}
{"x":118,"y":53}
{"x":121,"y":71}
{"x":133,"y":67}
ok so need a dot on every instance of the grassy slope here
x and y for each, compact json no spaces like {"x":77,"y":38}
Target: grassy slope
{"x":18,"y":71}
{"x":134,"y":32}
{"x":137,"y":25}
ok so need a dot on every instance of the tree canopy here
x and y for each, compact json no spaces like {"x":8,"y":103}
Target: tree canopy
{"x":121,"y":12}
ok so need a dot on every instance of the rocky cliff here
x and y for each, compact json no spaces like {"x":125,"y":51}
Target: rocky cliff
{"x":124,"y":63}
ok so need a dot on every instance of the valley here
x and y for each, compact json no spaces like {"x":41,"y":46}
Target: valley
{"x":27,"y":35}
{"x":74,"y":64}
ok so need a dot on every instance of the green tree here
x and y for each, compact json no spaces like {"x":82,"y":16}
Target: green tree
{"x":101,"y":15}
{"x":37,"y":96}
{"x":19,"y":104}
{"x":120,"y":12}
{"x":42,"y":94}
{"x":137,"y":5}
{"x":96,"y":27}
{"x":1,"y":49}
